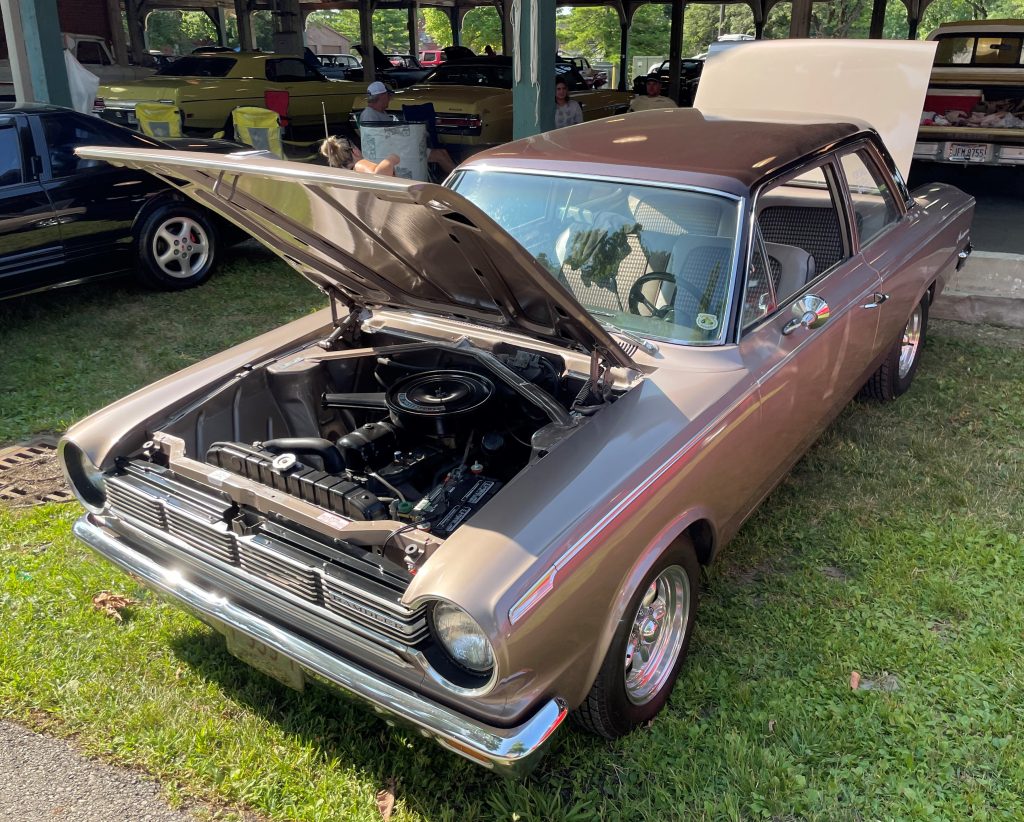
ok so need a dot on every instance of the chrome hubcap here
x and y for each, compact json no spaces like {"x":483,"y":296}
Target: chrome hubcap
{"x":181,"y":247}
{"x":656,"y":637}
{"x":911,"y":342}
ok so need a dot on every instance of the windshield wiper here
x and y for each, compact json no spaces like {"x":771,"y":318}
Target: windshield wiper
{"x":646,"y":345}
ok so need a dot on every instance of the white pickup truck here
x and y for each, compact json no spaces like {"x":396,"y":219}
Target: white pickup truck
{"x":974,"y":110}
{"x":92,"y":52}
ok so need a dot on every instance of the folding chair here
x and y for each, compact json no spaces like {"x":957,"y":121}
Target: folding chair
{"x":259,"y":128}
{"x":159,"y":119}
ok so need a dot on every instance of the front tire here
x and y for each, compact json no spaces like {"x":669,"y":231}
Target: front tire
{"x":648,"y":649}
{"x":177,"y":246}
{"x":897,"y":371}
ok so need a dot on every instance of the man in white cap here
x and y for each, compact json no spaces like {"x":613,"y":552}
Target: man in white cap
{"x":378,"y":96}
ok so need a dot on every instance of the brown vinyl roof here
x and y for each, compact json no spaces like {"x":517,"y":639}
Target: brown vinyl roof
{"x":672,"y":145}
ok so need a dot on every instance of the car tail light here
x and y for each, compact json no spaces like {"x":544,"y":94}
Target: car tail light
{"x":99,"y":104}
{"x":459,"y":120}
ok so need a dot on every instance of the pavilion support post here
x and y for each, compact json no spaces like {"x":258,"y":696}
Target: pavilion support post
{"x":216,"y":16}
{"x":246,"y":41}
{"x":533,"y":67}
{"x":877,"y":20}
{"x":675,"y":49}
{"x":504,"y":8}
{"x":117,"y":32}
{"x":366,"y":39}
{"x":287,"y":27}
{"x":455,"y":22}
{"x":624,"y":21}
{"x":36,"y":51}
{"x":134,"y":14}
{"x":413,"y":24}
{"x":800,"y":23}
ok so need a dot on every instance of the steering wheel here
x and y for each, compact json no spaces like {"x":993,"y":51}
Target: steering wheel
{"x":636,"y":299}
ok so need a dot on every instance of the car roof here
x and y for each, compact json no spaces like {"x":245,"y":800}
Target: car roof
{"x":30,"y":108}
{"x":679,"y":146}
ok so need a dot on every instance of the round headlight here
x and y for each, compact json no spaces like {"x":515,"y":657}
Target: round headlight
{"x":85,"y":479}
{"x":462,"y":638}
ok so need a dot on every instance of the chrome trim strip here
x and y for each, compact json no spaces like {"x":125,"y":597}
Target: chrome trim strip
{"x":511,"y":752}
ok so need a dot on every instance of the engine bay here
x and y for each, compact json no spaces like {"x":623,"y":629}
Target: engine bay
{"x":415,"y":436}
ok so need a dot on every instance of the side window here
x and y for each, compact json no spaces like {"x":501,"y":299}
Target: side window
{"x":65,"y":132}
{"x":289,"y":70}
{"x":874,"y":206}
{"x":91,"y":53}
{"x":759,"y":295}
{"x":800,"y":222}
{"x":11,"y":171}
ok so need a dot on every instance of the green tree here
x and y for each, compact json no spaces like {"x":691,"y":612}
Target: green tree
{"x":481,"y":28}
{"x":591,"y":32}
{"x":437,"y":26}
{"x":390,"y":28}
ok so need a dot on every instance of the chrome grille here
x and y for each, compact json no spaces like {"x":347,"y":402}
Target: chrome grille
{"x":296,"y":566}
{"x":409,"y":628}
{"x":127,"y":502}
{"x":204,"y":533}
{"x":301,"y":580}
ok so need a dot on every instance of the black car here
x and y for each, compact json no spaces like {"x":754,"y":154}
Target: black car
{"x":396,"y":76}
{"x":64,"y":219}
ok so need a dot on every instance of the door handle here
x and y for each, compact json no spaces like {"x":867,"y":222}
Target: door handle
{"x":876,"y":300}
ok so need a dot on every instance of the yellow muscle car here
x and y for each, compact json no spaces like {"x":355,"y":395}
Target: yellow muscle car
{"x":473,"y":101}
{"x":207,"y":86}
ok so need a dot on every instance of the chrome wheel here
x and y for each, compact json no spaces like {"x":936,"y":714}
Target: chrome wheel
{"x":911,"y":342}
{"x":180,"y":247}
{"x":657,"y":634}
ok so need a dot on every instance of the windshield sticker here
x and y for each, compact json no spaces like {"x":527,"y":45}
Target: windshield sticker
{"x":708,"y":322}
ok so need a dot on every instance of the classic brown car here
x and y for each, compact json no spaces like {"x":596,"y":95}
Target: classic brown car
{"x":477,"y":491}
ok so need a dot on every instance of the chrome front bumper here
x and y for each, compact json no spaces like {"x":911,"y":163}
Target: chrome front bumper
{"x":511,"y":752}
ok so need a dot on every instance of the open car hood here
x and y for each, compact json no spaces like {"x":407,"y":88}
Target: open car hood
{"x":381,"y":241}
{"x":880,"y":82}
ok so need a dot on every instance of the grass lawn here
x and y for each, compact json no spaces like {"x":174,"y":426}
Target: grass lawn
{"x":893,"y":550}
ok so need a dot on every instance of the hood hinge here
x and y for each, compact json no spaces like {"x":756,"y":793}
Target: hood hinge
{"x":347,"y":327}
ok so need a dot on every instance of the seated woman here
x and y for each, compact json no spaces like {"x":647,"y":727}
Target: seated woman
{"x":340,"y":153}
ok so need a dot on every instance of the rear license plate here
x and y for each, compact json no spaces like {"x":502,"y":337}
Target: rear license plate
{"x":131,"y":118}
{"x":969,"y":152}
{"x":264,"y":658}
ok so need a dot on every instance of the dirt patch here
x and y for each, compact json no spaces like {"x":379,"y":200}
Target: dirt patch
{"x":30,"y":475}
{"x":990,"y":335}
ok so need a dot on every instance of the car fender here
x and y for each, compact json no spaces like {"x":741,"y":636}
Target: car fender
{"x":675,"y":529}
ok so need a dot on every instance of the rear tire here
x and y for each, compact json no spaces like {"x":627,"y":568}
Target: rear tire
{"x":897,"y":371}
{"x":177,"y":247}
{"x":648,"y":649}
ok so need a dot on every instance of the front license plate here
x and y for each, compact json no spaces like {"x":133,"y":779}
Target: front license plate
{"x":266,"y":659}
{"x":968,"y":152}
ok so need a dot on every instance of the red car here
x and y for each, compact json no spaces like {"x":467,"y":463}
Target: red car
{"x":431,"y":58}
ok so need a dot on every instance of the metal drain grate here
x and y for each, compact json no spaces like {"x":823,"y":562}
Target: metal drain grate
{"x":29,"y":474}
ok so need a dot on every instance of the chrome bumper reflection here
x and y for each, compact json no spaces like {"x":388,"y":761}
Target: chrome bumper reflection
{"x":509,"y":751}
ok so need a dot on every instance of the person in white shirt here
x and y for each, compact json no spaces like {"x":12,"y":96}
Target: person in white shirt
{"x":653,"y":97}
{"x":378,"y":96}
{"x":567,"y":111}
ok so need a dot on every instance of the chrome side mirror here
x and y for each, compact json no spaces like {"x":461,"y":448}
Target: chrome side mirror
{"x":810,"y":312}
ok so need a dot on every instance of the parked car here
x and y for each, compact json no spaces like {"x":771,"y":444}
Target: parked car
{"x":65,"y":219}
{"x":96,"y":55}
{"x":431,"y":57}
{"x":478,"y":491}
{"x":690,"y":69}
{"x":338,"y":66}
{"x":208,"y":85}
{"x":473,"y":100}
{"x":397,"y":70}
{"x":591,"y":76}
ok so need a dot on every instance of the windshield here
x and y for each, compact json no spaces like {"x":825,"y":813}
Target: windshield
{"x":198,"y":67}
{"x":465,"y":74}
{"x":654,"y":261}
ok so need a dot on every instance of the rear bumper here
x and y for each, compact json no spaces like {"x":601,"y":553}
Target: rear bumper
{"x":511,"y":752}
{"x":984,"y":152}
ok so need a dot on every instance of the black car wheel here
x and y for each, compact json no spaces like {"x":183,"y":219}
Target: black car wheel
{"x":897,"y":370}
{"x":643,"y":661}
{"x":177,"y":246}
